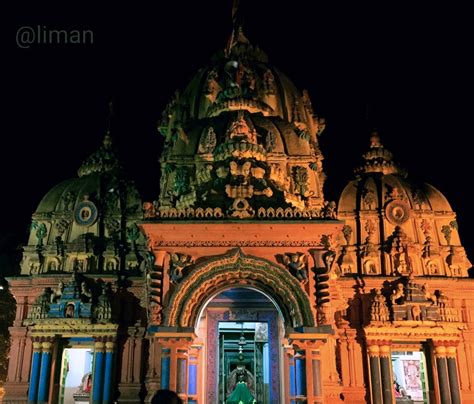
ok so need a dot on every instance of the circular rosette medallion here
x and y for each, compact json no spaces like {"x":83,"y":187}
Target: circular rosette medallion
{"x":85,"y":213}
{"x":397,"y":212}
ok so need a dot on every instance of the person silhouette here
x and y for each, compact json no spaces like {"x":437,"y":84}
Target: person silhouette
{"x":166,"y":397}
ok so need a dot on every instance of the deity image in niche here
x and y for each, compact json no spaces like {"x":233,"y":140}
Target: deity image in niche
{"x":412,"y":375}
{"x":69,"y":311}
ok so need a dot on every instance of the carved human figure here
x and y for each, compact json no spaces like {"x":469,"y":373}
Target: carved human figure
{"x":329,"y":210}
{"x":397,"y":293}
{"x":86,"y":294}
{"x":69,"y":313}
{"x":57,"y":293}
{"x":428,"y":295}
{"x":269,"y":87}
{"x":416,"y":313}
{"x":379,"y":309}
{"x":178,"y":263}
{"x":296,"y":263}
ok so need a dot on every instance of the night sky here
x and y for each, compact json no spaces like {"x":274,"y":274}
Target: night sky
{"x":407,"y":65}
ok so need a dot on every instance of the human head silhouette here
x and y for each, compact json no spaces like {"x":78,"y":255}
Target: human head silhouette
{"x":166,"y":397}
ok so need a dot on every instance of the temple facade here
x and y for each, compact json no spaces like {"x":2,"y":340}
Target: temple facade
{"x":241,"y":283}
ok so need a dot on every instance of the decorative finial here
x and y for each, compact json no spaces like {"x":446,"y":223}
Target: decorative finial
{"x":375,"y":140}
{"x":237,"y":34}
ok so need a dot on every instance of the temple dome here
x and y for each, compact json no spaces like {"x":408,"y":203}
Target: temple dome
{"x":380,"y":179}
{"x":241,"y":137}
{"x":101,"y":188}
{"x":389,"y":216}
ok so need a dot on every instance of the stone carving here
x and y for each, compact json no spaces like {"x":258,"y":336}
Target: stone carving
{"x":178,"y":263}
{"x":296,"y":113}
{"x":155,"y":312}
{"x":320,"y":124}
{"x":347,"y":232}
{"x":416,"y":313}
{"x":369,"y":198}
{"x":269,"y":87}
{"x":39,"y":310}
{"x":397,"y":293}
{"x":446,"y":230}
{"x":40,"y":233}
{"x":103,"y":310}
{"x":239,"y":130}
{"x":86,"y":294}
{"x":68,"y":201}
{"x":300,"y":178}
{"x":212,"y":87}
{"x":378,"y":308}
{"x":447,"y":313}
{"x":270,"y":141}
{"x":296,"y":263}
{"x":61,"y":227}
{"x":53,"y":265}
{"x":181,"y":182}
{"x":149,"y":211}
{"x":399,"y":244}
{"x":393,"y":193}
{"x":57,"y":293}
{"x":369,"y":248}
{"x":242,"y":170}
{"x":370,"y":268}
{"x":428,"y":295}
{"x":329,"y":210}
{"x":203,"y":173}
{"x":208,"y":141}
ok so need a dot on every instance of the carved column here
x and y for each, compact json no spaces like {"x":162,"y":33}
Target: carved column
{"x":375,"y":375}
{"x":171,"y":350}
{"x":98,"y":372}
{"x":442,"y":369}
{"x":35,"y":373}
{"x":19,"y":365}
{"x":386,"y":372}
{"x":108,"y":372}
{"x":45,"y":372}
{"x":453,"y":374}
{"x":131,"y":356}
{"x":194,"y":373}
{"x":305,"y":370}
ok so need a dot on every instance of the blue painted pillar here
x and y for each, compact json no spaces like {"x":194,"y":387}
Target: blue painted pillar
{"x":165,"y":368}
{"x":109,"y":360}
{"x":45,"y":372}
{"x":292,"y":377}
{"x":98,"y":373}
{"x":300,"y":365}
{"x":35,"y":373}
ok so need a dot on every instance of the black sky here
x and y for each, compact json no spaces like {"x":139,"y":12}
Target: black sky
{"x":409,"y":63}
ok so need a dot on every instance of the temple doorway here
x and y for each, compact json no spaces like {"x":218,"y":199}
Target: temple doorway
{"x":243,"y":330}
{"x":76,"y":375}
{"x":410,"y":378}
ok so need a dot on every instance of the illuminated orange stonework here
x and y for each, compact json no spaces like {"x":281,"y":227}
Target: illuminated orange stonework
{"x":364,"y":301}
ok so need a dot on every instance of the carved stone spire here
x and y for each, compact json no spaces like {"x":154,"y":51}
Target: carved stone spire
{"x":378,"y":159}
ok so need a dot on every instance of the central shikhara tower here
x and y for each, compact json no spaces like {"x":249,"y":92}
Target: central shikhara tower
{"x":241,"y":280}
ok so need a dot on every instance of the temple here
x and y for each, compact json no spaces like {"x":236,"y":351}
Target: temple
{"x":241,"y":283}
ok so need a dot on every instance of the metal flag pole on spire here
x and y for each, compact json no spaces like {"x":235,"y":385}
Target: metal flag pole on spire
{"x":235,"y":25}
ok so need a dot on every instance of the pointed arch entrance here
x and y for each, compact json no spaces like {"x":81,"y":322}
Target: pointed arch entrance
{"x":213,"y":301}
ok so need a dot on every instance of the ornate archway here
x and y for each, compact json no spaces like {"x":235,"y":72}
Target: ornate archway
{"x":236,"y":269}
